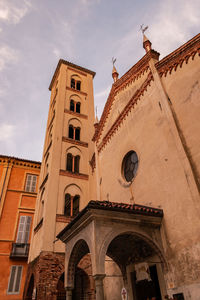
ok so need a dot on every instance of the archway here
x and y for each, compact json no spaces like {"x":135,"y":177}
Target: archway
{"x":80,"y":272}
{"x":137,"y":259}
{"x":30,"y":288}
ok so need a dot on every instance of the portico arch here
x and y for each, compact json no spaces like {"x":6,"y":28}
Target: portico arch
{"x":79,"y":250}
{"x":140,"y":236}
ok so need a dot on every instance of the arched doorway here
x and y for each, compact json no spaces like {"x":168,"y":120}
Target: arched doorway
{"x":138,"y":259}
{"x":30,"y":288}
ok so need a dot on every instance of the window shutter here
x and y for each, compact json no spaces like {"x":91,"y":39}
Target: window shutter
{"x":12,"y":279}
{"x":31,"y":183}
{"x":15,"y":280}
{"x":27,"y":229}
{"x":23,"y":230}
{"x":33,"y":187}
{"x":28,"y":183}
{"x":18,"y":279}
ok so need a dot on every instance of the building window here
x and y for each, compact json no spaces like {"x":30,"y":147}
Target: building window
{"x":78,"y":107}
{"x":74,"y":133}
{"x":77,"y":133}
{"x":23,"y":230}
{"x":73,"y":163}
{"x":14,"y":280}
{"x":75,"y":106}
{"x":76,"y":84}
{"x":71,"y":205}
{"x":130,"y":165}
{"x":73,"y":83}
{"x":31,"y":183}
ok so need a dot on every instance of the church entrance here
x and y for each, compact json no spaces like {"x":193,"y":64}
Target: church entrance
{"x":127,"y":234}
{"x":146,"y":289}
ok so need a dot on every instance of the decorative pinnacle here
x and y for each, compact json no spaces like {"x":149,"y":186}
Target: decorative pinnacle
{"x":115,"y":74}
{"x":146,"y":41}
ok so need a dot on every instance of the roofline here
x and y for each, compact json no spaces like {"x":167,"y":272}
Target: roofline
{"x":19,"y":159}
{"x":119,"y":207}
{"x":65,"y":62}
{"x":178,"y":51}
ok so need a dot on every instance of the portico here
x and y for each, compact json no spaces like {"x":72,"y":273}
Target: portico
{"x":127,"y":233}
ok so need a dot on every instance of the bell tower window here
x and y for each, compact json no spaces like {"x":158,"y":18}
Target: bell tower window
{"x":73,"y":163}
{"x":72,"y":105}
{"x":71,"y":208}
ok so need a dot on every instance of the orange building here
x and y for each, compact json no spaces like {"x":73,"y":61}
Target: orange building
{"x":18,"y":190}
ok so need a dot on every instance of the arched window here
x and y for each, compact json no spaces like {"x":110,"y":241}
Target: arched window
{"x":77,"y":133}
{"x":76,"y":164}
{"x":71,"y":208}
{"x":78,"y":107}
{"x":73,"y":163}
{"x":73,"y":83}
{"x":78,"y":85}
{"x":72,"y":105}
{"x":69,"y":162}
{"x":71,"y":132}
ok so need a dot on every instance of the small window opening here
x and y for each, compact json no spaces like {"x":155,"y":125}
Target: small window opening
{"x":76,"y":164}
{"x":67,"y":209}
{"x":72,"y":105}
{"x":76,"y":205}
{"x":73,"y":84}
{"x":78,"y":85}
{"x":71,"y":132}
{"x":78,"y":107}
{"x":77,"y":134}
{"x":69,"y":162}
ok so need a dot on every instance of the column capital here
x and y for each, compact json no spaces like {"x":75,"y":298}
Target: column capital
{"x":99,"y":277}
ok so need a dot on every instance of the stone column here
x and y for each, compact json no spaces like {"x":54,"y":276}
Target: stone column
{"x":98,"y":278}
{"x":69,"y":293}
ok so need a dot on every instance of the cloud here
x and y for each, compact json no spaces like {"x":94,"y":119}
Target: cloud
{"x":173,"y":23}
{"x":6,"y":131}
{"x":7,"y":56}
{"x":13,"y":12}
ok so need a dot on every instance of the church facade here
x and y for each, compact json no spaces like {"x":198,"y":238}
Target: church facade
{"x":117,"y":211}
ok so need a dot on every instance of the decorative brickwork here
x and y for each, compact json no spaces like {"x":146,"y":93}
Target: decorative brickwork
{"x":179,"y":56}
{"x":46,"y":269}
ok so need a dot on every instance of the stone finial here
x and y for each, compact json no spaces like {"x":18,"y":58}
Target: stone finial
{"x":146,"y":43}
{"x":115,"y":74}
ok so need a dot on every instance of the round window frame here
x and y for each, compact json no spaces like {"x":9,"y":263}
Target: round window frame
{"x":123,"y":166}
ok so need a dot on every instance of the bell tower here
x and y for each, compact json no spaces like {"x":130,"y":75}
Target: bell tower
{"x":67,"y":178}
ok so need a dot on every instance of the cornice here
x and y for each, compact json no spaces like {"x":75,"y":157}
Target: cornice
{"x":75,"y":114}
{"x":76,"y":91}
{"x":132,"y":102}
{"x":179,"y":56}
{"x":74,"y":175}
{"x":20,"y":161}
{"x":129,"y":77}
{"x":74,"y":142}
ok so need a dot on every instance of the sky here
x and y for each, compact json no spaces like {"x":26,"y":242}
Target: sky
{"x":35,"y":34}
